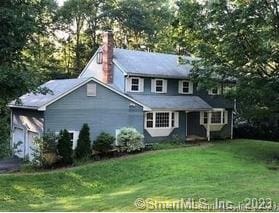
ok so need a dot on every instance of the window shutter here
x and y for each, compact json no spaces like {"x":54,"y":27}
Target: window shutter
{"x":176,"y":119}
{"x":191,"y":85}
{"x":180,"y":87}
{"x":91,"y":89}
{"x":165,"y":86}
{"x":201,"y":117}
{"x":226,"y":116}
{"x":153,"y":85}
{"x":141,"y":85}
{"x":128,"y":85}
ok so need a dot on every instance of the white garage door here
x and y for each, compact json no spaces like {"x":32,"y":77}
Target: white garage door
{"x":19,"y":142}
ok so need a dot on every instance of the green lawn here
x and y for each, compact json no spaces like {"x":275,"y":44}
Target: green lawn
{"x":232,"y":170}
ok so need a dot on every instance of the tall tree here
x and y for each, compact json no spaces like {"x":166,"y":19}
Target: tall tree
{"x":236,"y":39}
{"x":19,"y":21}
{"x":72,"y":16}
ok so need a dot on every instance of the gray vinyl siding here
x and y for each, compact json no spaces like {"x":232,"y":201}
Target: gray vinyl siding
{"x":93,"y":69}
{"x":107,"y":111}
{"x":33,"y":119}
{"x":118,"y":78}
{"x":177,"y":133}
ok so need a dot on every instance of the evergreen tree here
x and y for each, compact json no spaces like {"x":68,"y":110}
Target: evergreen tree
{"x":65,"y":147}
{"x":83,"y":149}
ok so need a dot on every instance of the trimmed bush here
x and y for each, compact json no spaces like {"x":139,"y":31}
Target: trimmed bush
{"x":83,"y":149}
{"x":129,"y":140}
{"x":64,"y":147}
{"x":103,"y":143}
{"x":45,"y":153}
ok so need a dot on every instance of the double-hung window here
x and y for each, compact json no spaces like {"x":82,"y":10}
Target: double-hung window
{"x":185,"y":87}
{"x":161,"y":120}
{"x":159,"y":85}
{"x":135,"y":84}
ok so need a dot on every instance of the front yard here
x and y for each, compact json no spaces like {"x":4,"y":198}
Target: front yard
{"x":231,"y":170}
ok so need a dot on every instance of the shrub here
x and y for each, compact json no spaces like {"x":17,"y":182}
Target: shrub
{"x":103,"y":143}
{"x":64,"y":147}
{"x":83,"y":149}
{"x":129,"y":140}
{"x":45,"y":153}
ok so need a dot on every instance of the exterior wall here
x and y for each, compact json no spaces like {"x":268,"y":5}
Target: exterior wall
{"x":118,"y":79}
{"x":93,"y":69}
{"x":179,"y":133}
{"x":107,"y":111}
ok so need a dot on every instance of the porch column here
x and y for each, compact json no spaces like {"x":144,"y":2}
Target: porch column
{"x":208,"y":125}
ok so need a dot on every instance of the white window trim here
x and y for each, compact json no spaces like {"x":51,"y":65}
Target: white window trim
{"x":140,"y":86}
{"x":176,"y":120}
{"x":212,"y":93}
{"x":180,"y":87}
{"x":224,"y":117}
{"x":164,"y":85}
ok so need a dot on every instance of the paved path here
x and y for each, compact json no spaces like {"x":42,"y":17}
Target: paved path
{"x":9,"y":165}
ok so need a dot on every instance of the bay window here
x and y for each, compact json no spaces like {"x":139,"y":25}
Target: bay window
{"x":161,"y":120}
{"x":218,"y":117}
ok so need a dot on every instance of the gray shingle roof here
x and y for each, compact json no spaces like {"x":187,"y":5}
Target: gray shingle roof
{"x":151,"y":64}
{"x":58,"y":88}
{"x":178,"y":102}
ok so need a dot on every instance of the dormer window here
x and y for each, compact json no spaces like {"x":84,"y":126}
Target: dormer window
{"x":214,"y":91}
{"x":99,"y":57}
{"x":159,"y":85}
{"x":185,"y":87}
{"x":135,"y":84}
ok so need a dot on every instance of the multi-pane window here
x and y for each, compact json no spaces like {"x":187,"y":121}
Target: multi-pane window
{"x":185,"y":86}
{"x":162,"y":119}
{"x":205,"y":117}
{"x":149,"y":120}
{"x":216,"y":117}
{"x":159,"y":86}
{"x":135,"y":84}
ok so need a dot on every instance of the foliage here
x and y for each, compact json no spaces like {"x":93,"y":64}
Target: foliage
{"x":45,"y":151}
{"x":157,"y":174}
{"x":129,"y":140}
{"x":64,"y":147}
{"x":263,"y":132}
{"x":103,"y":143}
{"x":83,"y":149}
{"x":236,"y":40}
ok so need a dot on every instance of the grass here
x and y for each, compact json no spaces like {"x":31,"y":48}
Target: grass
{"x":231,"y":170}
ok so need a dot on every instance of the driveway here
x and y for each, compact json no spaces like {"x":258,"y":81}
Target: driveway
{"x":10,"y":165}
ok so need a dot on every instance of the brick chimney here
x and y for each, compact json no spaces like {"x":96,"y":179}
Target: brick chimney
{"x":107,"y":57}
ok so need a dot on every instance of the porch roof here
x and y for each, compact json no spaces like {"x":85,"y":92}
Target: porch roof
{"x":179,"y":102}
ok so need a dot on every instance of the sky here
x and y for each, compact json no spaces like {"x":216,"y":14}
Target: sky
{"x":60,"y":2}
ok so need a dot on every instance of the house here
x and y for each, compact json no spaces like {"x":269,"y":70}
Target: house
{"x":151,"y":92}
